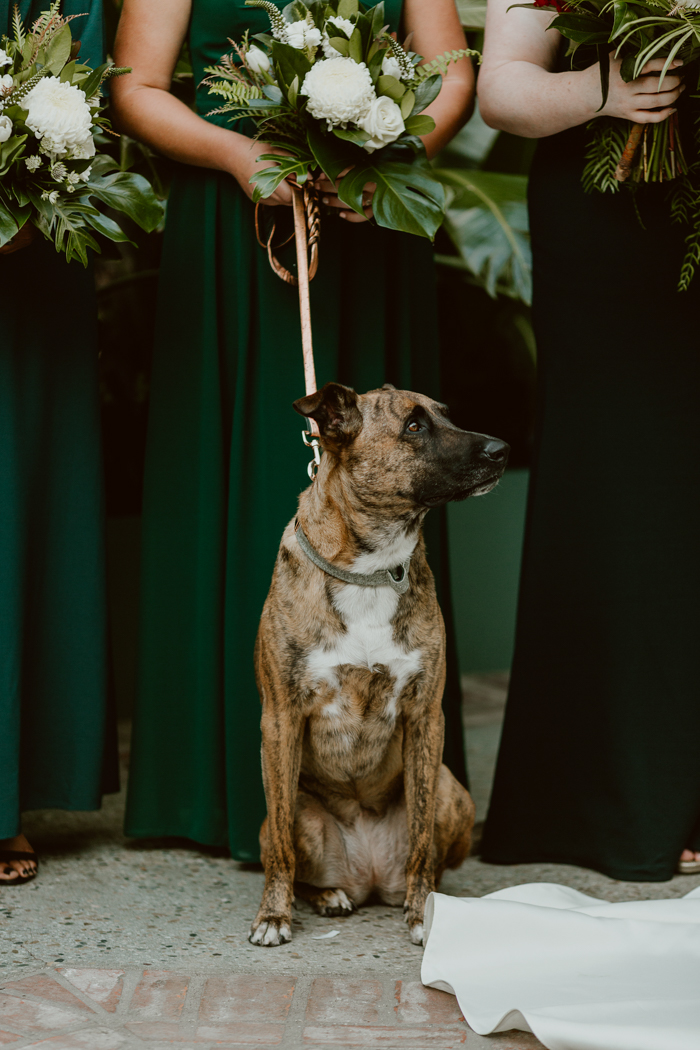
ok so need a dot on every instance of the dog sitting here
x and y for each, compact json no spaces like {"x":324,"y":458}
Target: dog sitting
{"x":350,"y":665}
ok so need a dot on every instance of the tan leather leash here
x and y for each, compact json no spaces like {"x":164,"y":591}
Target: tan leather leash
{"x":307,"y":231}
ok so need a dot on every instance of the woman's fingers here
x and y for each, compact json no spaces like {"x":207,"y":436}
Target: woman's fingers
{"x":645,"y":116}
{"x":658,"y":100}
{"x":646,"y":85}
{"x":655,"y":65}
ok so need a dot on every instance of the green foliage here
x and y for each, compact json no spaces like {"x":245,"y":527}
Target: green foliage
{"x":441,"y":63}
{"x":608,"y":138}
{"x":487,"y":221}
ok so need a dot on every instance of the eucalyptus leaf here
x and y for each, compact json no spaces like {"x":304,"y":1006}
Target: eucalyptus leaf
{"x":427,"y":92}
{"x":407,"y":104}
{"x":352,"y":135}
{"x":388,"y":85}
{"x":420,"y":125}
{"x":378,"y":19}
{"x":355,"y":49}
{"x":58,"y":50}
{"x":341,"y":45}
{"x":348,"y":8}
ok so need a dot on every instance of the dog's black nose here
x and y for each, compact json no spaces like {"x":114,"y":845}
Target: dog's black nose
{"x":496,"y":451}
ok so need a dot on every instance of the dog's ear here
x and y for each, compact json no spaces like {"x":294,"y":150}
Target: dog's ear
{"x":334,"y":408}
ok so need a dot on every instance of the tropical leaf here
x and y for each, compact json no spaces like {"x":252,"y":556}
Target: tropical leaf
{"x":487,"y":221}
{"x":408,"y":197}
{"x":131,"y":194}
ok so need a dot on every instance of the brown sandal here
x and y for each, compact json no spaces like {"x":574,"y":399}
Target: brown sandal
{"x":16,"y":854}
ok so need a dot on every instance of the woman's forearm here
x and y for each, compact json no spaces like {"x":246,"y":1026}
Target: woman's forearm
{"x":527,"y":100}
{"x":156,"y":117}
{"x":450,"y":111}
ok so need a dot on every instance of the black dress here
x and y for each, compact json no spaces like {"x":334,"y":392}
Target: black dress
{"x":600,"y":756}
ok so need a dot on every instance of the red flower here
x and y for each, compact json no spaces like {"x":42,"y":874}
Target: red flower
{"x":559,"y":5}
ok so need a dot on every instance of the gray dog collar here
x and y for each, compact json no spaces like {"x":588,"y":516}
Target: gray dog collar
{"x":396,"y":578}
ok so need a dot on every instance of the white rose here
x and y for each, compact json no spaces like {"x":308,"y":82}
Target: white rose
{"x":339,"y":90}
{"x":257,"y":60}
{"x":5,"y":59}
{"x":391,"y":67}
{"x":5,"y":128}
{"x":383,"y":122}
{"x":58,"y":112}
{"x":342,"y":23}
{"x":6,"y":84}
{"x":300,"y":35}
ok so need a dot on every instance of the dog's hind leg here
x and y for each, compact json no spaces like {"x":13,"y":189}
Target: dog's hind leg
{"x":454,"y":819}
{"x":325,"y":902}
{"x":325,"y":877}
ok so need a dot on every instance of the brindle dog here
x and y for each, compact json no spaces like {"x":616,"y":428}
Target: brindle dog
{"x":351,"y":677}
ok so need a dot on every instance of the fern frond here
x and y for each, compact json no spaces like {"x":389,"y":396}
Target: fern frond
{"x":609,"y":137}
{"x":691,"y":260}
{"x":234,"y":91}
{"x":277,"y":22}
{"x":18,"y":27}
{"x":441,"y":63}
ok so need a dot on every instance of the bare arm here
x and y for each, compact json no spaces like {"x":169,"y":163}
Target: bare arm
{"x":150,"y":36}
{"x":520,"y":92}
{"x":436,"y":28}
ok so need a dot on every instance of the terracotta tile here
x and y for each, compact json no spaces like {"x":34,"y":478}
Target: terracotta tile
{"x":243,"y":998}
{"x":102,"y":986}
{"x":29,"y":1016}
{"x":416,"y":1004}
{"x":421,"y":1038}
{"x":44,"y":985}
{"x":94,"y":1039}
{"x":239,"y":1034}
{"x":343,"y":1001}
{"x":159,"y":996}
{"x":257,"y":1035}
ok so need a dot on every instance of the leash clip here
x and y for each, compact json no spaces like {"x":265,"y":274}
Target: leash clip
{"x":311,"y":441}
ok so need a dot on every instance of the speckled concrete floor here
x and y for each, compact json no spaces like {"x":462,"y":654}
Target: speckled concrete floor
{"x":104,"y":901}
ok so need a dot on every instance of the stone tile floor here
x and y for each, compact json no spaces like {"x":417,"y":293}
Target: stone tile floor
{"x":121,"y":944}
{"x":95,"y":1009}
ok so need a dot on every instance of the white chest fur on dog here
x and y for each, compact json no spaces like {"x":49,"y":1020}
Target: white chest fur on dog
{"x":367,"y":613}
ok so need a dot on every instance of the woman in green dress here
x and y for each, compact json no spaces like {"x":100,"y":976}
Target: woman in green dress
{"x":57,"y":741}
{"x":225,"y":458}
{"x":598,"y":760}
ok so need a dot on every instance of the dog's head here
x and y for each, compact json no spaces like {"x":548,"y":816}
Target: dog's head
{"x":400,"y":447}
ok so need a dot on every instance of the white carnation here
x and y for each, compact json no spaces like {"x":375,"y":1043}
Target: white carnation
{"x":5,"y":128}
{"x":5,"y":59}
{"x":383,"y":122}
{"x":33,"y":162}
{"x":342,"y":23}
{"x":58,"y":112}
{"x":300,"y":35}
{"x":390,"y":66}
{"x":257,"y":60}
{"x":339,"y":90}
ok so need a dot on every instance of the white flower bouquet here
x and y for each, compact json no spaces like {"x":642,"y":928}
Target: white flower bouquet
{"x":50,"y":171}
{"x":332,"y":88}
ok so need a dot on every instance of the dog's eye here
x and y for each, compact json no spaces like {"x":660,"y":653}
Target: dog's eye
{"x":414,"y":427}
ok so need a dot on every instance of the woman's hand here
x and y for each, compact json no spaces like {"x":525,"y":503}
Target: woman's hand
{"x":639,"y":101}
{"x":20,"y":240}
{"x":244,"y":164}
{"x":329,"y":195}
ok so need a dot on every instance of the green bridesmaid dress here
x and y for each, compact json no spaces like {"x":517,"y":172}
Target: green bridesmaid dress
{"x":226,"y":464}
{"x":57,"y":740}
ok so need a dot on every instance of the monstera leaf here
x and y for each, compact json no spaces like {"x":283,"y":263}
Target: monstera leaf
{"x":408,"y":197}
{"x":487,"y":222}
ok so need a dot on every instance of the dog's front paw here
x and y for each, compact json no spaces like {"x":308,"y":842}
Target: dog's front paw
{"x":271,"y":931}
{"x":413,"y":916}
{"x":416,"y":933}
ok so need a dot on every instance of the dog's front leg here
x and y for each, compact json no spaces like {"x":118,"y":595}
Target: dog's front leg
{"x":424,"y":731}
{"x":282,"y":735}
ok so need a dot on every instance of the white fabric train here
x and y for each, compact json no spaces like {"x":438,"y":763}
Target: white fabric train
{"x":581,"y":973}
